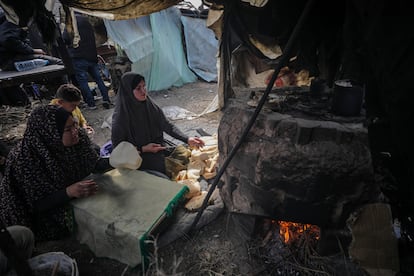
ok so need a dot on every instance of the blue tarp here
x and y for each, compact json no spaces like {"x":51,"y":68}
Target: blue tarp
{"x":202,"y":48}
{"x":154,"y":44}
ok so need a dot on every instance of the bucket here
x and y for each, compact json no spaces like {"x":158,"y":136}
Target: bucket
{"x":347,"y":98}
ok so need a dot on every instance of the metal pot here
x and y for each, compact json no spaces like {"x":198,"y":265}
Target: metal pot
{"x":347,"y":98}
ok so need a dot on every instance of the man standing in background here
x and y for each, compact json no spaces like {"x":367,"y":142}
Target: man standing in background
{"x":85,"y":61}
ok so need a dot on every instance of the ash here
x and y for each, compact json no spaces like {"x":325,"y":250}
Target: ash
{"x":299,"y":255}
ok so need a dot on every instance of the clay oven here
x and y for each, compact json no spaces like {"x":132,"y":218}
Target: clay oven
{"x":299,"y":166}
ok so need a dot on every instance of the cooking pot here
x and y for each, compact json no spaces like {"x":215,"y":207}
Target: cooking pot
{"x":347,"y":98}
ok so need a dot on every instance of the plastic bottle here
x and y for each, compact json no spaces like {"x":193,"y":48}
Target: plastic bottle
{"x":25,"y":65}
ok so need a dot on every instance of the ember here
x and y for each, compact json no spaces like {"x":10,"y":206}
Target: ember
{"x":292,"y":231}
{"x":289,"y":248}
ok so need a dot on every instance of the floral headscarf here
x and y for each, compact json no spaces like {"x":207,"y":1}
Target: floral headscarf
{"x":39,"y":166}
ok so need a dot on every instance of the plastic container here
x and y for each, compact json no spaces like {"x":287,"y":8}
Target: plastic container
{"x":347,"y":98}
{"x":25,"y":65}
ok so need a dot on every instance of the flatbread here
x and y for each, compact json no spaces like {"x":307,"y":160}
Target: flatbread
{"x":126,"y":156}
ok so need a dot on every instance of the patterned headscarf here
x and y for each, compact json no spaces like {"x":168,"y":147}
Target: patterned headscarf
{"x":39,"y":166}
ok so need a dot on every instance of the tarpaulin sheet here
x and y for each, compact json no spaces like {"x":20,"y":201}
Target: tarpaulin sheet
{"x":154,"y":45}
{"x":116,"y":222}
{"x":202,"y":48}
{"x":169,"y":65}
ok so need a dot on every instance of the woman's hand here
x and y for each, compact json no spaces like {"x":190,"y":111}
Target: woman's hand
{"x":195,"y":142}
{"x":152,"y":147}
{"x":82,"y":188}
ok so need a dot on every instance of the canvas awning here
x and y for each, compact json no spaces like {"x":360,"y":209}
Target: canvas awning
{"x":119,"y":9}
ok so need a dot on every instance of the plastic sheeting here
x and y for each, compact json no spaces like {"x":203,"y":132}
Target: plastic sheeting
{"x":134,"y":36}
{"x":116,"y":222}
{"x":51,"y":263}
{"x":154,"y":45}
{"x":202,"y":48}
{"x":169,"y":66}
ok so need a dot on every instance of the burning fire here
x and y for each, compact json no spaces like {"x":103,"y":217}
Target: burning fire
{"x":291,"y":231}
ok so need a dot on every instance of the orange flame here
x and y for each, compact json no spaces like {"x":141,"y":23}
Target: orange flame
{"x":290,"y":230}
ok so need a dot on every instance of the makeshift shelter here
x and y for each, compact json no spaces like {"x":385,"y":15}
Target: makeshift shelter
{"x":346,"y":40}
{"x":150,"y":34}
{"x":363,"y":41}
{"x":153,"y":43}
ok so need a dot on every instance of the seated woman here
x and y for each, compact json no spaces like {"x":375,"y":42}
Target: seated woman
{"x":138,"y":120}
{"x":45,"y":171}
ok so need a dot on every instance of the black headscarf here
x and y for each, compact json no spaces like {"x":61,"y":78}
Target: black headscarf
{"x":41,"y":165}
{"x":141,"y":123}
{"x":136,"y":122}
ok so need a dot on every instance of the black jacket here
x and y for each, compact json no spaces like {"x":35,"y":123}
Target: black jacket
{"x":87,"y":47}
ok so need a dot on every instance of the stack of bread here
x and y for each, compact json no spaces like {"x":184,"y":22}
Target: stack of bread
{"x":203,"y":162}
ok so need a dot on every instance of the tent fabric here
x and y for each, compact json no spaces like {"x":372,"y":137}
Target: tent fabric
{"x":169,"y":65}
{"x":114,"y":222}
{"x":134,"y":36}
{"x":119,"y":9}
{"x":154,"y":45}
{"x":201,"y":46}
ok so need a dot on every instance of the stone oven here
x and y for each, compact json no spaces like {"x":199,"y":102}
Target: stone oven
{"x":299,"y":163}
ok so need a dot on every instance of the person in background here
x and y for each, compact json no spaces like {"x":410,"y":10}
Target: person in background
{"x":15,"y":46}
{"x":47,"y":169}
{"x":85,"y":61}
{"x":69,"y":96}
{"x":138,"y":120}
